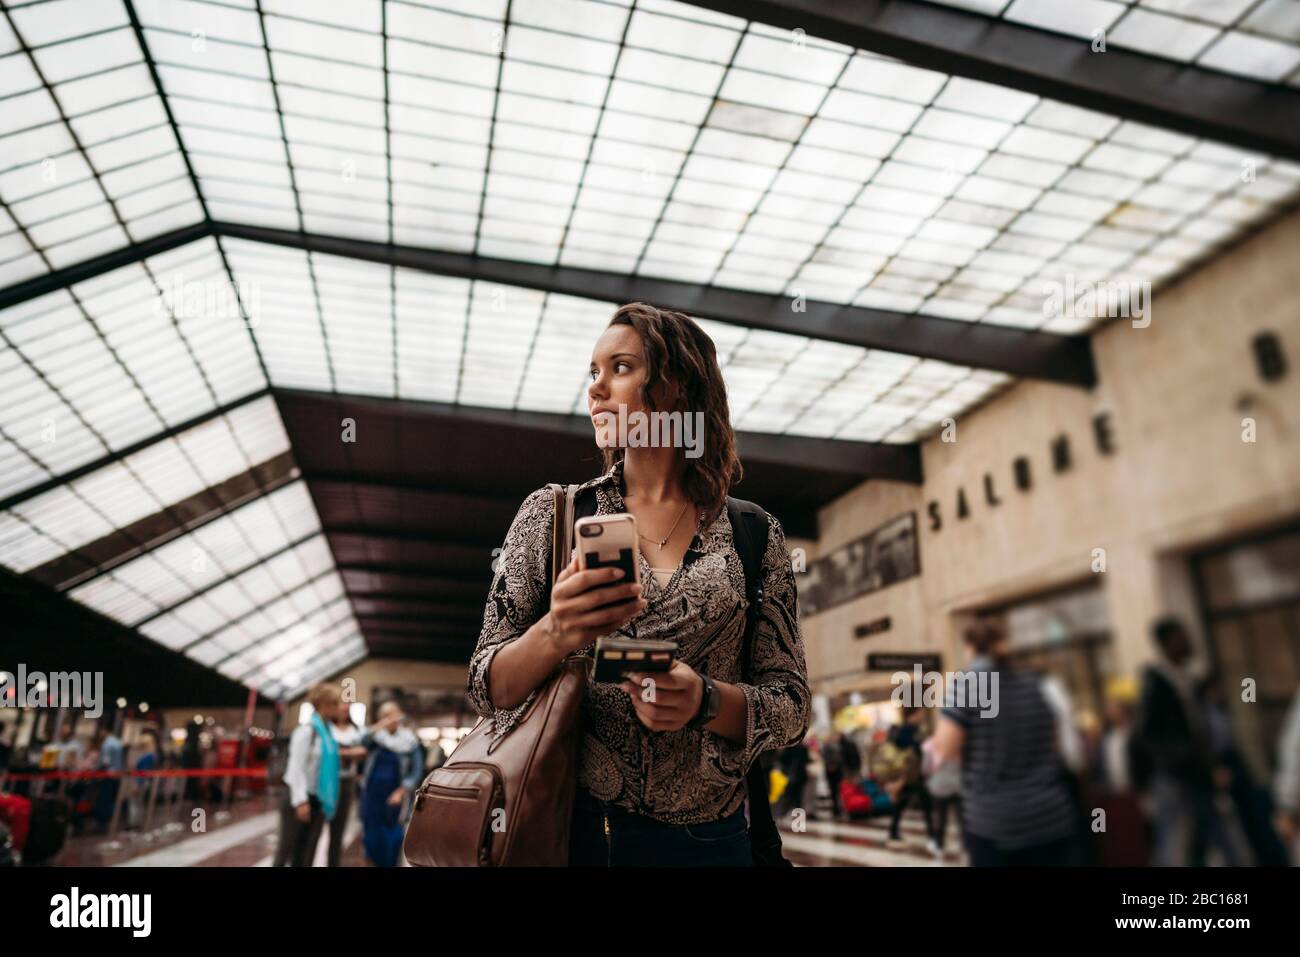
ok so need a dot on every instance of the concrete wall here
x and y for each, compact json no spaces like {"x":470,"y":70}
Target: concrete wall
{"x":1180,"y":476}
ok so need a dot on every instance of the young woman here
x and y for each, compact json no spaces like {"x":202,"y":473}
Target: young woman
{"x":659,"y":781}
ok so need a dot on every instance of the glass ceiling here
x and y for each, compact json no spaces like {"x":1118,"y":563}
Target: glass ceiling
{"x":96,"y":367}
{"x":253,"y":575}
{"x":658,"y":139}
{"x":651,"y":137}
{"x":1259,"y":39}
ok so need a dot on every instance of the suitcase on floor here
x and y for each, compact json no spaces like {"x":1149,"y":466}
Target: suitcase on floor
{"x":854,"y":800}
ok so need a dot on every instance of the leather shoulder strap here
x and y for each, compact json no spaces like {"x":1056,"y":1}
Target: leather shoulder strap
{"x":570,"y":505}
{"x":561,"y":529}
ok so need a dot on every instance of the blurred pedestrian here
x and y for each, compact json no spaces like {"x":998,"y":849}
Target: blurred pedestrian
{"x":833,"y":767}
{"x":943,"y":782}
{"x":851,"y":757}
{"x":149,"y":759}
{"x":1170,"y":750}
{"x":351,"y":754}
{"x":1239,"y":823}
{"x":312,"y":776}
{"x":192,"y":760}
{"x":909,"y":780}
{"x":8,"y":742}
{"x":1286,"y":782}
{"x":1016,"y":810}
{"x":112,"y":757}
{"x":1124,"y":841}
{"x":393,"y":769}
{"x":793,"y":762}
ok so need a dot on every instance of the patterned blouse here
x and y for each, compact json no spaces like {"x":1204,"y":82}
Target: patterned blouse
{"x":688,"y":776}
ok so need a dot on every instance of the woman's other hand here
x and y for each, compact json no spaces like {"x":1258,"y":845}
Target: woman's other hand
{"x":665,"y":701}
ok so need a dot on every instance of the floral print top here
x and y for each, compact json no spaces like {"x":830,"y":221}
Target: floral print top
{"x":688,"y":776}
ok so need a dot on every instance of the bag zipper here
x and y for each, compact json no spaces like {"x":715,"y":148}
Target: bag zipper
{"x":427,"y":788}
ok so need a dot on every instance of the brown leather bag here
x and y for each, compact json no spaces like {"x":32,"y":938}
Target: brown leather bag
{"x":511,"y":804}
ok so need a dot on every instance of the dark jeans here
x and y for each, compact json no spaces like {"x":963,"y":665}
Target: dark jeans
{"x":833,"y":779}
{"x":638,"y":841}
{"x":347,"y":787}
{"x":297,"y":839}
{"x":940,"y":816}
{"x":905,"y":796}
{"x":986,"y":853}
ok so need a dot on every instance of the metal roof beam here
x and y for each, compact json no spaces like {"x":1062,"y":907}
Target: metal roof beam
{"x":1019,"y":352}
{"x":1124,"y":83}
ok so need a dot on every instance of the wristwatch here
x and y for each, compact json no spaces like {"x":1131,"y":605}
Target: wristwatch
{"x":710,"y":703}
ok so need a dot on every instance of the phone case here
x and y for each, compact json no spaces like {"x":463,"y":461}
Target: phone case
{"x":613,"y":545}
{"x":615,"y":657}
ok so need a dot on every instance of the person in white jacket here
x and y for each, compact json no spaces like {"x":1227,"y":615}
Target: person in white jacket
{"x":305,"y":808}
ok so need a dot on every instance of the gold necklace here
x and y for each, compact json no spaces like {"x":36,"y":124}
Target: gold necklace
{"x":661,"y":544}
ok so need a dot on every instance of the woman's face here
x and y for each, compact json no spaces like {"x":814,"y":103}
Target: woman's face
{"x":618,"y":371}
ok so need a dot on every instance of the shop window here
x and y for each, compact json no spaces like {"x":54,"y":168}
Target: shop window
{"x":1065,"y":634}
{"x":1250,"y":593}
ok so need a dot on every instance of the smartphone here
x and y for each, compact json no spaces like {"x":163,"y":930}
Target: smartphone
{"x":615,"y":657}
{"x":609,"y":540}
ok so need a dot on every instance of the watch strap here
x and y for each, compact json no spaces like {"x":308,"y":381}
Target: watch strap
{"x":705,"y":714}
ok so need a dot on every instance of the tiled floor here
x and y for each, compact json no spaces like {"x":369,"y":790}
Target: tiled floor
{"x":826,"y":843}
{"x":246,"y":836}
{"x":243,"y":836}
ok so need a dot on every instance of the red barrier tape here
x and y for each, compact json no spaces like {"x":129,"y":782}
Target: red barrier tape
{"x":99,"y":775}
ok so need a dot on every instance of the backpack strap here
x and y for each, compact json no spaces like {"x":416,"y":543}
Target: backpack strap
{"x":585,"y":503}
{"x":749,"y":529}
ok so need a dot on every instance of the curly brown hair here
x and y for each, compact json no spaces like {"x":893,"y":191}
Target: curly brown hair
{"x":681,"y":356}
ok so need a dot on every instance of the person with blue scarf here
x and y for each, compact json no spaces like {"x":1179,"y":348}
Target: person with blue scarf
{"x":392,"y":773}
{"x":312,"y":777}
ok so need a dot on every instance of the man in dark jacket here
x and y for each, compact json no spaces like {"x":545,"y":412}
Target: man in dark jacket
{"x":833,"y":768}
{"x":850,"y":757}
{"x":794,"y":765}
{"x":1170,"y":752}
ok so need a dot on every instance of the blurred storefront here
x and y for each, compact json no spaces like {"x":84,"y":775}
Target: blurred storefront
{"x":1250,"y":595}
{"x":1079,"y":516}
{"x":1065,"y":634}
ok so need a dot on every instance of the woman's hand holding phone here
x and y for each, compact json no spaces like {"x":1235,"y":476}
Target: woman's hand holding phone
{"x":576,"y":619}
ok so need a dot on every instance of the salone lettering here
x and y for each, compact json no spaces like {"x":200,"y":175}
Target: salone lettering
{"x":1022,"y":473}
